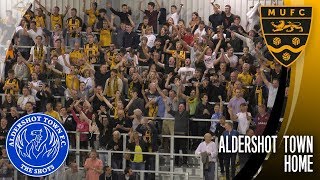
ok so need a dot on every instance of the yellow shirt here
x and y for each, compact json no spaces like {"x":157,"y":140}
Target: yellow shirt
{"x":92,"y":16}
{"x":53,"y":114}
{"x":59,"y":51}
{"x":74,"y":24}
{"x":40,"y":21}
{"x":56,"y":20}
{"x":31,"y":68}
{"x":91,"y":50}
{"x":72,"y":81}
{"x":111,"y":58}
{"x":246,"y":79}
{"x":75,"y":55}
{"x":13,"y":82}
{"x":105,"y":37}
{"x":138,"y":157}
{"x":193,"y":105}
{"x":180,"y":57}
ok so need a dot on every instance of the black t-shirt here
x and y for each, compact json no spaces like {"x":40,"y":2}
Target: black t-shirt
{"x":100,"y":79}
{"x":200,"y":65}
{"x":163,"y":39}
{"x":159,"y":50}
{"x":236,"y":29}
{"x":137,"y":85}
{"x":143,"y":56}
{"x":215,"y":20}
{"x":227,"y":21}
{"x":125,"y":122}
{"x":152,"y":18}
{"x":3,"y":132}
{"x":96,"y":103}
{"x":274,"y":75}
{"x":69,"y":123}
{"x":168,"y":69}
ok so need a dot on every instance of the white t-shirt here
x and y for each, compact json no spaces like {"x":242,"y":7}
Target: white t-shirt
{"x":186,"y":72}
{"x":175,"y":17}
{"x":201,"y":33}
{"x":208,"y":60}
{"x":272,"y":95}
{"x":22,"y":101}
{"x":233,"y":61}
{"x":60,"y":61}
{"x":151,"y":39}
{"x":243,"y":123}
{"x":34,"y":34}
{"x":173,"y":106}
{"x":32,"y":51}
{"x":215,"y":36}
{"x":132,"y":59}
{"x":33,"y":91}
{"x":19,"y":28}
{"x":88,"y":81}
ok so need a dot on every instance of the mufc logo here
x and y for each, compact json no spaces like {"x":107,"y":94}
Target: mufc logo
{"x":286,"y":30}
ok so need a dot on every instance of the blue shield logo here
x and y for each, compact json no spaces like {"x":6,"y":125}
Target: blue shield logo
{"x":37,"y":145}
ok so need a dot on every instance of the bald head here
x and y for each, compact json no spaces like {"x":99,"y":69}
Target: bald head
{"x":207,"y":137}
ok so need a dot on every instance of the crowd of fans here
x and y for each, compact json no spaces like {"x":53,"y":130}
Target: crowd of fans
{"x":106,"y":79}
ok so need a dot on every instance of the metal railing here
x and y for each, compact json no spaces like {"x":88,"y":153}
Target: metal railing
{"x":157,"y":155}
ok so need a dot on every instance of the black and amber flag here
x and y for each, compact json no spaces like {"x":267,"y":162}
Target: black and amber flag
{"x":285,"y":30}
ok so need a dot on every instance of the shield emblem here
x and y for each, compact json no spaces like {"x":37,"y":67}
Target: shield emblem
{"x":285,"y":30}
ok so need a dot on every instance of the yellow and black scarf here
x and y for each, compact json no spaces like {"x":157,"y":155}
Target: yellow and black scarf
{"x":111,"y":92}
{"x":38,"y":54}
{"x":259,"y":97}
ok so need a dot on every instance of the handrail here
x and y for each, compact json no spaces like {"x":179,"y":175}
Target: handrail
{"x":156,"y":154}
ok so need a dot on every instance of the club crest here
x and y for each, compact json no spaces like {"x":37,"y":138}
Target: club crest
{"x":286,"y":30}
{"x":37,"y":145}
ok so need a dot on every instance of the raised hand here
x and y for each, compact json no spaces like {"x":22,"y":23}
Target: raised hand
{"x":68,"y":7}
{"x":108,"y":4}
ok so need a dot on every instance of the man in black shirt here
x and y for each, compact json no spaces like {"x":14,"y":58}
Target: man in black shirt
{"x":181,"y":121}
{"x":203,"y":111}
{"x":123,"y":15}
{"x":227,"y":16}
{"x":121,"y":124}
{"x":130,"y":38}
{"x":135,"y":102}
{"x":216,"y":18}
{"x":115,"y":144}
{"x":12,"y":117}
{"x":151,"y":14}
{"x":216,"y":89}
{"x":100,"y":77}
{"x":95,"y":100}
{"x":236,"y":26}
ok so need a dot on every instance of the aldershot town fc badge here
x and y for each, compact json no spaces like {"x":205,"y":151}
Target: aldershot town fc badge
{"x":286,"y":30}
{"x":37,"y":145}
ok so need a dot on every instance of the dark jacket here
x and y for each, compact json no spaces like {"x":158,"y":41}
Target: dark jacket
{"x":200,"y":108}
{"x":112,"y":177}
{"x":181,"y":122}
{"x":154,"y":135}
{"x":142,"y":144}
{"x":136,"y":104}
{"x":131,"y":40}
{"x":123,"y":16}
{"x":45,"y":97}
{"x":111,"y":146}
{"x":70,"y":124}
{"x":105,"y":133}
